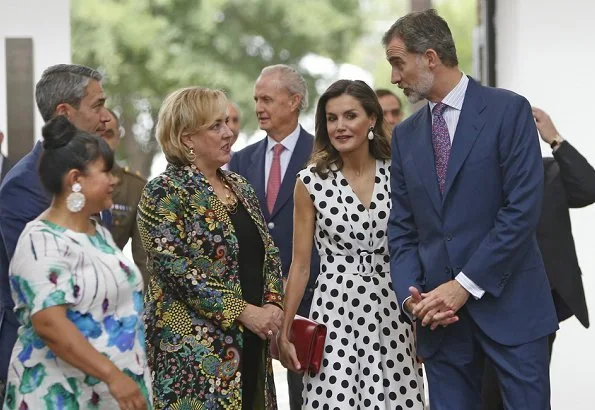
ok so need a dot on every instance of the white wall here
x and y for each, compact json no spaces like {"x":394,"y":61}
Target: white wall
{"x":48,"y":23}
{"x":545,"y":52}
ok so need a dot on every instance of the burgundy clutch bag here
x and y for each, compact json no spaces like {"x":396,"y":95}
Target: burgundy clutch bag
{"x":308,"y":338}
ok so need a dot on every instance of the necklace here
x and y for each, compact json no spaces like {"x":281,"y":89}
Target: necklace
{"x":231,"y":201}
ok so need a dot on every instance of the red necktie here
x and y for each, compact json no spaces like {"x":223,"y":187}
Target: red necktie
{"x":274,"y":177}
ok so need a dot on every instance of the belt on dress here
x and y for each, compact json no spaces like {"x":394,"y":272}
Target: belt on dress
{"x":365,"y":263}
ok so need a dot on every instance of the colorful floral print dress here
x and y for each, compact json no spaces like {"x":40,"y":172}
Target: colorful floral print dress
{"x":194,"y":342}
{"x":103,"y":291}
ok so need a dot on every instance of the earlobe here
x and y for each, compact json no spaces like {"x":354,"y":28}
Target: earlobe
{"x":72,"y":177}
{"x":432,"y":57}
{"x":62,"y":109}
{"x":295,"y":103}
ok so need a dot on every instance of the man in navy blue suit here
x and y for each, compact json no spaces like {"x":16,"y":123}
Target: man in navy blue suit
{"x":467,"y":187}
{"x":271,"y":165}
{"x":65,"y":89}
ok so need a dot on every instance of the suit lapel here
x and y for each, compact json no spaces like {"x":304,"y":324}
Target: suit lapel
{"x":468,"y":128}
{"x":424,"y":157}
{"x":255,"y":174}
{"x":301,"y":153}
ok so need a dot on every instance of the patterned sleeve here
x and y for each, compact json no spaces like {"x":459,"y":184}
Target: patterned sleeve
{"x":162,"y":221}
{"x":42,"y":272}
{"x":273,"y":284}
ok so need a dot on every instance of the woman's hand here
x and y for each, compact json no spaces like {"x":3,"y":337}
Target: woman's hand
{"x":126,"y":392}
{"x":51,"y":324}
{"x":288,"y":355}
{"x":262,"y":321}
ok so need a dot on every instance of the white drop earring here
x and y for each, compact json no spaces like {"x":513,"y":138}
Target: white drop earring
{"x":75,"y":201}
{"x":371,"y":133}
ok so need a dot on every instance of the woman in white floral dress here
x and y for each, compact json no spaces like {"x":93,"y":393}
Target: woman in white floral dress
{"x":78,"y":299}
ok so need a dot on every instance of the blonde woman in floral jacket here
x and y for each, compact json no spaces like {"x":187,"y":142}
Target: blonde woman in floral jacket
{"x":215,"y":291}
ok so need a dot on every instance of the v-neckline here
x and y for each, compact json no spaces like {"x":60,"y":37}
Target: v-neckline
{"x":357,"y":198}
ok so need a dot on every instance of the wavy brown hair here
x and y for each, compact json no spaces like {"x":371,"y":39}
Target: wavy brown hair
{"x":325,"y":156}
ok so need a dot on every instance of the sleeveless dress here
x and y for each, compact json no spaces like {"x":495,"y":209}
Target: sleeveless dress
{"x":369,"y":358}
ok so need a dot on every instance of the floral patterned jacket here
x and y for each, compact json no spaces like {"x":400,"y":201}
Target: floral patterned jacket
{"x":194,"y":341}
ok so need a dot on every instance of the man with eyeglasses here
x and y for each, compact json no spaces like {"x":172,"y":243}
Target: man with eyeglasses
{"x":391,"y":107}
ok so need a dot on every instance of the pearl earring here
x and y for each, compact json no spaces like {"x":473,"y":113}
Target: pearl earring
{"x":371,"y":133}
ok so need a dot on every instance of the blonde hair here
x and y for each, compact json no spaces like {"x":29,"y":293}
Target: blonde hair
{"x":184,"y":112}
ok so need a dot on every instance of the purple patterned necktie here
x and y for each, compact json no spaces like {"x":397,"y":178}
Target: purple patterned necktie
{"x":441,"y":143}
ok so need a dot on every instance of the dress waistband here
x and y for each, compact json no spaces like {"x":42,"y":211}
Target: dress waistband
{"x":365,"y":263}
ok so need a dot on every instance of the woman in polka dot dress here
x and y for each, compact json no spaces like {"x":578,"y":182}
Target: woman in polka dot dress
{"x":342,"y":199}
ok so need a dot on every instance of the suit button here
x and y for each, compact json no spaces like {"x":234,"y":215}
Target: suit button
{"x":449,"y":238}
{"x":271,"y":225}
{"x":447,"y":270}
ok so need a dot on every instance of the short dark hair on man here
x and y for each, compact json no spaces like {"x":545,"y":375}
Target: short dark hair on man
{"x":383,"y":92}
{"x":424,"y":30}
{"x":66,"y":148}
{"x":62,"y":83}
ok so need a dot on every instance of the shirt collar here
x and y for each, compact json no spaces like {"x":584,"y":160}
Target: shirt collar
{"x":456,"y":96}
{"x":288,"y":142}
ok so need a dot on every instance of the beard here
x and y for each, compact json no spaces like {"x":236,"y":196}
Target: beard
{"x":420,"y":90}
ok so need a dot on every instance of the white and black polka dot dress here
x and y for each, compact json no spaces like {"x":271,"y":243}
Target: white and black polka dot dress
{"x":369,"y":359}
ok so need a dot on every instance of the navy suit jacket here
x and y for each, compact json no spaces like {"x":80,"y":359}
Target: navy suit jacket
{"x":250,"y":162}
{"x":22,"y":199}
{"x":482,"y":225}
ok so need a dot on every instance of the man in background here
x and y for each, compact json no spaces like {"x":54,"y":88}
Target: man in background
{"x":271,"y":166}
{"x":234,"y":123}
{"x":65,"y":89}
{"x":392,"y":109}
{"x":125,"y":197}
{"x":235,"y":117}
{"x":569,"y":183}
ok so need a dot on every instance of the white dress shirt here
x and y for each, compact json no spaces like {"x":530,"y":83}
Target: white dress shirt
{"x":454,"y":101}
{"x":289,"y":143}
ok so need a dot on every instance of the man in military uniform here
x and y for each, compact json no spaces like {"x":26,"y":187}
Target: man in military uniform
{"x":125,"y":197}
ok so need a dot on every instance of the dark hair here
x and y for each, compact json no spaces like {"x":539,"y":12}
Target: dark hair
{"x":424,"y":30}
{"x":383,"y":92}
{"x":62,"y":83}
{"x":66,"y":148}
{"x":325,"y":156}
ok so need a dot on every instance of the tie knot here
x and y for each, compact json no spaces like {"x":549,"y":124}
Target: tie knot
{"x":277,"y":149}
{"x":439,"y":108}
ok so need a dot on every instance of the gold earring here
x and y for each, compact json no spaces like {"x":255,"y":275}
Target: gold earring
{"x":191,"y":155}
